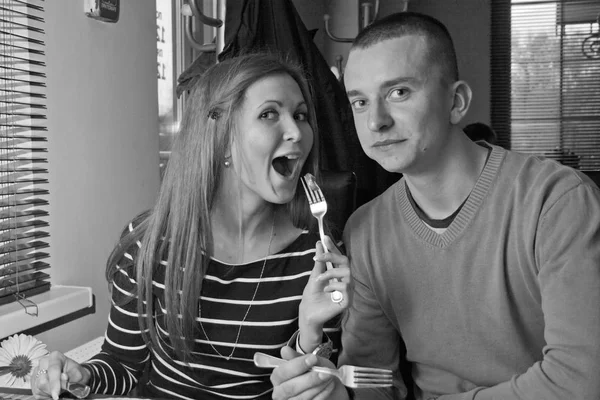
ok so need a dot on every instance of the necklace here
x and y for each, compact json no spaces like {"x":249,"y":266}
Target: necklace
{"x":249,"y":306}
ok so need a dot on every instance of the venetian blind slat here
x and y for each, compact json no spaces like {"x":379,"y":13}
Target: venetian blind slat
{"x":551,"y":49}
{"x":23,"y":147}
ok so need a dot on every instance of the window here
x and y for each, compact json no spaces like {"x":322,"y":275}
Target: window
{"x":23,"y":173}
{"x":169,"y":64}
{"x":546,"y":78}
{"x":179,"y":41}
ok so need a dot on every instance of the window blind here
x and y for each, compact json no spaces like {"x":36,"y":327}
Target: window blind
{"x":23,"y":173}
{"x":546,"y":78}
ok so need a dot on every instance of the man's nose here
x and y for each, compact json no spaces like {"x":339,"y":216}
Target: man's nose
{"x":379,"y":117}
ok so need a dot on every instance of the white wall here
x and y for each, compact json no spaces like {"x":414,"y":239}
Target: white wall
{"x":103,"y":144}
{"x":469,"y":22}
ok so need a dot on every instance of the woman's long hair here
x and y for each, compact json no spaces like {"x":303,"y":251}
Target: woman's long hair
{"x":179,"y":225}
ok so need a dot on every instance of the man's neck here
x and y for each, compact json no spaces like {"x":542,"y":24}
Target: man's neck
{"x":442,"y":190}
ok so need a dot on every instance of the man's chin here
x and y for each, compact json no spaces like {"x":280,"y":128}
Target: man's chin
{"x":392,"y":167}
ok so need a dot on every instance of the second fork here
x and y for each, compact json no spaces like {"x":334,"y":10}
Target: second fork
{"x":349,"y":375}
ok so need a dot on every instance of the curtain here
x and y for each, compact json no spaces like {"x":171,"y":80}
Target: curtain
{"x":23,"y":173}
{"x":546,"y":79}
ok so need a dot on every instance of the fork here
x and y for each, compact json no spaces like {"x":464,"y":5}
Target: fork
{"x":78,"y":390}
{"x":359,"y":377}
{"x":351,"y":376}
{"x":318,"y":208}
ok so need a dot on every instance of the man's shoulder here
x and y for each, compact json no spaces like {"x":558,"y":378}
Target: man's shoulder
{"x":374,"y":208}
{"x":544,"y":171}
{"x":540,"y":181}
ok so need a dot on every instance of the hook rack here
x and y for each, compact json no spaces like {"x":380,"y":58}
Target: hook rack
{"x":191,"y":9}
{"x":366,"y":20}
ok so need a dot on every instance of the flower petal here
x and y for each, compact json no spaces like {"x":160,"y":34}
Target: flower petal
{"x":20,"y":346}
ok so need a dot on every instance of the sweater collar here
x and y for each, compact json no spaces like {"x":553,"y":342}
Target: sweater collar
{"x":468,"y":210}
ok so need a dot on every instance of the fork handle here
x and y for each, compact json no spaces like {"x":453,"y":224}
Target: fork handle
{"x":267,"y":361}
{"x":79,"y":390}
{"x":336,"y":295}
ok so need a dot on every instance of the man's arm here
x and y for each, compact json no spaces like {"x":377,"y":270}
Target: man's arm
{"x":369,"y":340}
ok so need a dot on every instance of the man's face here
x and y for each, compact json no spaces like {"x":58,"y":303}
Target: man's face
{"x":401,"y":106}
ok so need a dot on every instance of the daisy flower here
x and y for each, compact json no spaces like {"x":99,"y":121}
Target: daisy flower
{"x":20,"y":353}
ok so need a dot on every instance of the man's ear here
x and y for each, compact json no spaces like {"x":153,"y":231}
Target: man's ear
{"x":461,"y":100}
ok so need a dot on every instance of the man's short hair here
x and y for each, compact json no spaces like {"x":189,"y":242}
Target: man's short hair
{"x":438,"y":39}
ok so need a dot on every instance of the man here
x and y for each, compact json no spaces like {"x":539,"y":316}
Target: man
{"x":480,"y":267}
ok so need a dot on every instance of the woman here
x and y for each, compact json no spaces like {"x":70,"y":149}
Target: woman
{"x":223,"y":264}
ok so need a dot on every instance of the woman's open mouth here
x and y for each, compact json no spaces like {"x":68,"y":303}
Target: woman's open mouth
{"x":286,"y":166}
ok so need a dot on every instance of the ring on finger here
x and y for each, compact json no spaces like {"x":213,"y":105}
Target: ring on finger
{"x":337,"y":296}
{"x":40,"y":372}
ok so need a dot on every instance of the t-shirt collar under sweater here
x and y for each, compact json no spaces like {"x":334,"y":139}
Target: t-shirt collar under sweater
{"x":467,"y":211}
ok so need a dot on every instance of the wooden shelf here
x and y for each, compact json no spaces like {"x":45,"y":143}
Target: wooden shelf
{"x":55,"y":303}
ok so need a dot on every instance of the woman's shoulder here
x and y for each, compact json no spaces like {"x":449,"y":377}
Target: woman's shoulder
{"x":135,"y":224}
{"x":127,"y":249}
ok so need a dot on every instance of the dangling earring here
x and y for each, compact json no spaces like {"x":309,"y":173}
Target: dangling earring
{"x":227,"y":163}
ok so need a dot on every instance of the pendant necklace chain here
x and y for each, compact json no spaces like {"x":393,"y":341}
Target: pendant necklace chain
{"x":249,"y":306}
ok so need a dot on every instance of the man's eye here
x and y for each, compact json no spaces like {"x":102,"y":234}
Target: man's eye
{"x":269,"y":115}
{"x":358,"y":104}
{"x":397,"y":93}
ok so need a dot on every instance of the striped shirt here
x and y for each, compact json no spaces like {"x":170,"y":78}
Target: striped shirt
{"x":226,"y":294}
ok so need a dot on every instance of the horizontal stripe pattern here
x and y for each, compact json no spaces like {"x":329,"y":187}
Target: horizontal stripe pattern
{"x":226,"y":294}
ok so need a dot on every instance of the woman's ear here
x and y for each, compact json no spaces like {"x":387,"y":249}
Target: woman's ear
{"x":461,"y":100}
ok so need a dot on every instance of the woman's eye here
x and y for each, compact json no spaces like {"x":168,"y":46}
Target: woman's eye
{"x":358,"y":104}
{"x":269,"y":115}
{"x":301,"y":116}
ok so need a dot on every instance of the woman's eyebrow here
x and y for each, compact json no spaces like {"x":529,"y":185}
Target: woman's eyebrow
{"x":280,"y":104}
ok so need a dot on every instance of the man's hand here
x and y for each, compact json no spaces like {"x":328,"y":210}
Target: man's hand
{"x":295,"y":380}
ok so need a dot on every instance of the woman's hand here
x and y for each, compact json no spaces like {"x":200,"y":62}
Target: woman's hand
{"x":53,"y":372}
{"x":295,"y":380}
{"x":316,"y":307}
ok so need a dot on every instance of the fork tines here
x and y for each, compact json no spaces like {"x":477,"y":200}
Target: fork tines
{"x":313,"y":192}
{"x":372,"y":376}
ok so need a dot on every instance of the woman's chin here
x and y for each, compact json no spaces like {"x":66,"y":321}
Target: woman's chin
{"x":282,"y":195}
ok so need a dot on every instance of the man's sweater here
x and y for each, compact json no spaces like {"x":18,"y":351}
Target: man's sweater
{"x":505,"y":304}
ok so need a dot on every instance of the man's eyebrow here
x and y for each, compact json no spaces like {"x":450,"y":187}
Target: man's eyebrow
{"x":403,"y":79}
{"x":387,"y":84}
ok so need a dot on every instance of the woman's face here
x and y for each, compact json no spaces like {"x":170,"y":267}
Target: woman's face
{"x":273,"y":140}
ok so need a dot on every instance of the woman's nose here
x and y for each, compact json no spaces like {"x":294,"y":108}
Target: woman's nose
{"x":292,"y":131}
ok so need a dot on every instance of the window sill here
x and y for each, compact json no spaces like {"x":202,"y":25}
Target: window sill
{"x":58,"y":302}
